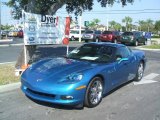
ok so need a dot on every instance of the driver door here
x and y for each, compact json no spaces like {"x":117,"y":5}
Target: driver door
{"x":122,"y":63}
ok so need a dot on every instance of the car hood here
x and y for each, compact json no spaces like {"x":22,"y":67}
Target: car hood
{"x":56,"y":69}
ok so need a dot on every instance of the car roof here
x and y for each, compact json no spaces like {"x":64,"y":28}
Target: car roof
{"x":106,"y":44}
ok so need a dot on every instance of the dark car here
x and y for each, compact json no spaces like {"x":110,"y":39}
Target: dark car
{"x":85,"y":75}
{"x":20,"y":33}
{"x":134,"y":38}
{"x":110,"y":36}
{"x":4,"y":33}
{"x":91,"y":35}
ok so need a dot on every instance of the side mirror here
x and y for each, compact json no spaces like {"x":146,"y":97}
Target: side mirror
{"x":118,"y":57}
{"x":122,"y":59}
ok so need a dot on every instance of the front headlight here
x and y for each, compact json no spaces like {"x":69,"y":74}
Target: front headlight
{"x":75,"y":77}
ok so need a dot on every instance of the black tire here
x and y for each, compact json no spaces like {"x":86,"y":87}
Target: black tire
{"x":94,"y":93}
{"x":145,"y":42}
{"x":86,"y":41}
{"x":140,"y":72}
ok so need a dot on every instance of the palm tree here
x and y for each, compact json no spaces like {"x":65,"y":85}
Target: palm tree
{"x":118,"y":26}
{"x":141,"y":24}
{"x":149,"y":23}
{"x":96,"y":21}
{"x":127,"y":20}
{"x":112,"y":24}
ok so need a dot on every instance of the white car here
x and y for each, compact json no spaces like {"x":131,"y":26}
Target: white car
{"x":74,"y":34}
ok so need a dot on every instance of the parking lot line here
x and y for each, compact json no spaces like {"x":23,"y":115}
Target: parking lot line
{"x":151,"y":76}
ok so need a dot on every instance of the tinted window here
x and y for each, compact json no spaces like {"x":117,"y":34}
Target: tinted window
{"x":90,"y":52}
{"x":123,"y":51}
{"x":107,"y":32}
{"x":127,"y":33}
{"x":116,"y":33}
{"x":98,"y":32}
{"x":89,"y":32}
{"x":74,"y":32}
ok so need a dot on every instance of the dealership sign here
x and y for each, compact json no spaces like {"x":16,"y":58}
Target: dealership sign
{"x":44,"y":29}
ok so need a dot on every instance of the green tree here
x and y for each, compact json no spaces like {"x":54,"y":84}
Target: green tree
{"x":51,"y":6}
{"x":93,"y":24}
{"x":141,"y":24}
{"x":146,"y":25}
{"x":128,"y":21}
{"x":96,"y":21}
{"x":112,"y":24}
{"x":6,"y":27}
{"x":157,"y":25}
{"x":149,"y":25}
{"x":118,"y":26}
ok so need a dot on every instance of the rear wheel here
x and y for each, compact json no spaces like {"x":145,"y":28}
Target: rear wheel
{"x":145,"y":42}
{"x":115,"y":41}
{"x":86,"y":40}
{"x":72,"y":38}
{"x":140,"y":72}
{"x":94,"y":92}
{"x":97,"y":40}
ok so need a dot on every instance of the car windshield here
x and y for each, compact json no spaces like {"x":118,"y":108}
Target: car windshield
{"x":90,"y":52}
{"x":127,"y":33}
{"x":74,"y":32}
{"x":89,"y":32}
{"x":107,"y":32}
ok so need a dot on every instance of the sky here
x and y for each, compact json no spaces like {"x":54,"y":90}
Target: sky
{"x":139,"y":10}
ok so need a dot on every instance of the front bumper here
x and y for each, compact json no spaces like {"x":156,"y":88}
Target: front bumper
{"x":60,"y":94}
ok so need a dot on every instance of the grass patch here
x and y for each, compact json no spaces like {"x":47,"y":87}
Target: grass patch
{"x":153,"y":46}
{"x":7,"y":74}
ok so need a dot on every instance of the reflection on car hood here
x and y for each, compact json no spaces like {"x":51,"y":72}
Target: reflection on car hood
{"x":56,"y":68}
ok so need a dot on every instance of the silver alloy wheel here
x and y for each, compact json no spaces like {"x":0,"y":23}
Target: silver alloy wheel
{"x":115,"y":41}
{"x":72,"y":38}
{"x":136,"y":43}
{"x":95,"y":93}
{"x":97,"y":40}
{"x":145,"y":43}
{"x":140,"y":71}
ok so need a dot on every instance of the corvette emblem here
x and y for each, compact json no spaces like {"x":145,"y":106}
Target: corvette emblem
{"x":39,"y":80}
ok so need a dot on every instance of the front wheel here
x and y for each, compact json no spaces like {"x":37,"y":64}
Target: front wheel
{"x":140,"y":72}
{"x":136,"y":43}
{"x":94,"y":92}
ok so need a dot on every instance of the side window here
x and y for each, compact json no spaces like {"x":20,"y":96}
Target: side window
{"x":124,"y":52}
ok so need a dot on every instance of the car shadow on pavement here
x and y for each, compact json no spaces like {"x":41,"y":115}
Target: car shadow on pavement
{"x":117,"y":88}
{"x":76,"y":107}
{"x":56,"y":106}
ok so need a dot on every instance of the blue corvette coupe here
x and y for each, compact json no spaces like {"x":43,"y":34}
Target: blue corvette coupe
{"x":84,"y":75}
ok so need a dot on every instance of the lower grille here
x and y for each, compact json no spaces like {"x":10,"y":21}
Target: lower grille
{"x":40,"y":93}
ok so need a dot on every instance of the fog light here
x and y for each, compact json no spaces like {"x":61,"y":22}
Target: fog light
{"x":66,"y":97}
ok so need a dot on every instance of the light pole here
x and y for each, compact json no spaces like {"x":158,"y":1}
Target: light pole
{"x":107,"y":16}
{"x":0,"y":19}
{"x":80,"y":27}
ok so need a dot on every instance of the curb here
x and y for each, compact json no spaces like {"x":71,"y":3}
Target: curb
{"x":6,"y":40}
{"x":147,"y":49}
{"x":8,"y":45}
{"x":9,"y":87}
